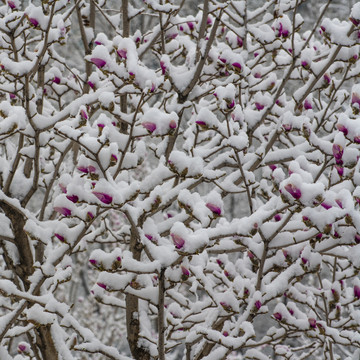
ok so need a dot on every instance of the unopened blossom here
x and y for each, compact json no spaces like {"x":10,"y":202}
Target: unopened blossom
{"x":178,"y":241}
{"x":149,"y":126}
{"x":355,"y":99}
{"x":277,"y":316}
{"x":293,"y":191}
{"x":190,"y":24}
{"x":307,"y":105}
{"x":122,"y":53}
{"x":312,"y":322}
{"x":172,"y":124}
{"x":342,"y":128}
{"x":258,"y":304}
{"x":113,"y":160}
{"x":83,"y":114}
{"x":357,"y":238}
{"x":163,"y":67}
{"x":239,"y":41}
{"x":11,"y":4}
{"x":305,"y":65}
{"x":277,"y":217}
{"x":287,"y":127}
{"x":60,"y":237}
{"x":259,"y":106}
{"x":63,"y":188}
{"x":73,"y":198}
{"x":201,"y":123}
{"x":327,"y":79}
{"x":237,"y":66}
{"x":22,"y":348}
{"x":185,"y":272}
{"x":215,"y":209}
{"x":56,"y":80}
{"x":103,"y":197}
{"x":226,"y":306}
{"x":89,"y":216}
{"x":356,"y":22}
{"x":338,"y":152}
{"x":340,"y":170}
{"x":357,"y":139}
{"x":102,"y":285}
{"x":357,"y":291}
{"x":326,"y":205}
{"x":100,"y":63}
{"x":62,"y":210}
{"x":93,"y":262}
{"x":34,"y":22}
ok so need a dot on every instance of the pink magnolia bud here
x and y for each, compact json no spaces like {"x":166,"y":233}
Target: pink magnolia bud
{"x":56,"y":80}
{"x":305,"y":65}
{"x":272,"y":167}
{"x":326,"y":205}
{"x":220,"y":263}
{"x":277,"y":217}
{"x":327,"y":79}
{"x":11,"y":4}
{"x":178,"y":241}
{"x":304,"y":260}
{"x":357,"y":238}
{"x":356,"y":22}
{"x":312,"y":322}
{"x":355,"y":99}
{"x":83,"y":114}
{"x":22,"y":347}
{"x":89,"y":216}
{"x":62,"y":210}
{"x":257,"y":75}
{"x":277,"y":316}
{"x":92,"y":169}
{"x":163,"y":67}
{"x":318,"y":236}
{"x":239,"y":41}
{"x":223,"y":60}
{"x":60,"y":237}
{"x":185,"y":271}
{"x":93,"y":262}
{"x":294,"y":191}
{"x":149,"y":126}
{"x":122,"y":53}
{"x":172,"y":124}
{"x":225,"y":333}
{"x":226,"y":306}
{"x":237,"y":66}
{"x":73,"y":198}
{"x":113,"y":160}
{"x":100,"y":63}
{"x":63,"y":188}
{"x":340,"y":170}
{"x":291,"y":311}
{"x":258,"y":304}
{"x":287,"y":127}
{"x":102,"y":285}
{"x":190,"y":25}
{"x":215,"y":209}
{"x":259,"y":106}
{"x":338,"y":152}
{"x":201,"y":123}
{"x":357,"y":291}
{"x":307,"y":105}
{"x":104,"y":198}
{"x":342,"y":128}
{"x":91,"y":84}
{"x":33,"y":22}
{"x":357,"y":139}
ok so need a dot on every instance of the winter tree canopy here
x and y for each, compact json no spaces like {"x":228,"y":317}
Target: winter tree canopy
{"x":179,"y":180}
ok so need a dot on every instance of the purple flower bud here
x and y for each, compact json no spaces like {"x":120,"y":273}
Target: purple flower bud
{"x":122,"y":53}
{"x":62,"y":210}
{"x":105,"y":198}
{"x":272,"y":167}
{"x":307,"y":105}
{"x":338,"y":152}
{"x":257,"y":75}
{"x":91,"y":84}
{"x":92,"y":169}
{"x":277,"y":316}
{"x":291,"y":311}
{"x":318,"y":236}
{"x":63,"y":188}
{"x":250,"y":254}
{"x":237,"y":66}
{"x":89,"y":216}
{"x":327,"y":79}
{"x":113,"y":160}
{"x":357,"y":291}
{"x":34,"y":22}
{"x":326,"y":206}
{"x":225,"y":333}
{"x":223,"y":60}
{"x":287,"y":127}
{"x":56,"y":80}
{"x":60,"y":237}
{"x":259,"y":106}
{"x":305,"y":64}
{"x":240,"y":41}
{"x":277,"y":217}
{"x":355,"y":99}
{"x":190,"y":25}
{"x":22,"y":348}
{"x":357,"y":238}
{"x":150,"y":237}
{"x":294,"y":191}
{"x":102,"y":285}
{"x":340,"y":170}
{"x":215,"y":209}
{"x":93,"y":262}
{"x":226,"y":306}
{"x":304,"y":260}
{"x":201,"y":123}
{"x":312,"y":322}
{"x":178,"y":241}
{"x":149,"y":126}
{"x":220,"y":263}
{"x":285,"y":253}
{"x":172,"y":124}
{"x":100,"y":63}
{"x":357,"y":139}
{"x":83,"y":114}
{"x":342,"y":128}
{"x":356,"y":22}
{"x":96,"y":42}
{"x":11,"y":4}
{"x":185,"y":271}
{"x":73,"y":198}
{"x":163,"y":67}
{"x":258,"y":304}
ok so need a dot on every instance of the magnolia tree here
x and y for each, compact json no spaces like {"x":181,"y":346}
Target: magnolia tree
{"x":187,"y":189}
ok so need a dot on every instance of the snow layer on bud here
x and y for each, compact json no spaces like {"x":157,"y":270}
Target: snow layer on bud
{"x":337,"y":31}
{"x":38,"y":315}
{"x":193,"y":204}
{"x":188,"y":166}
